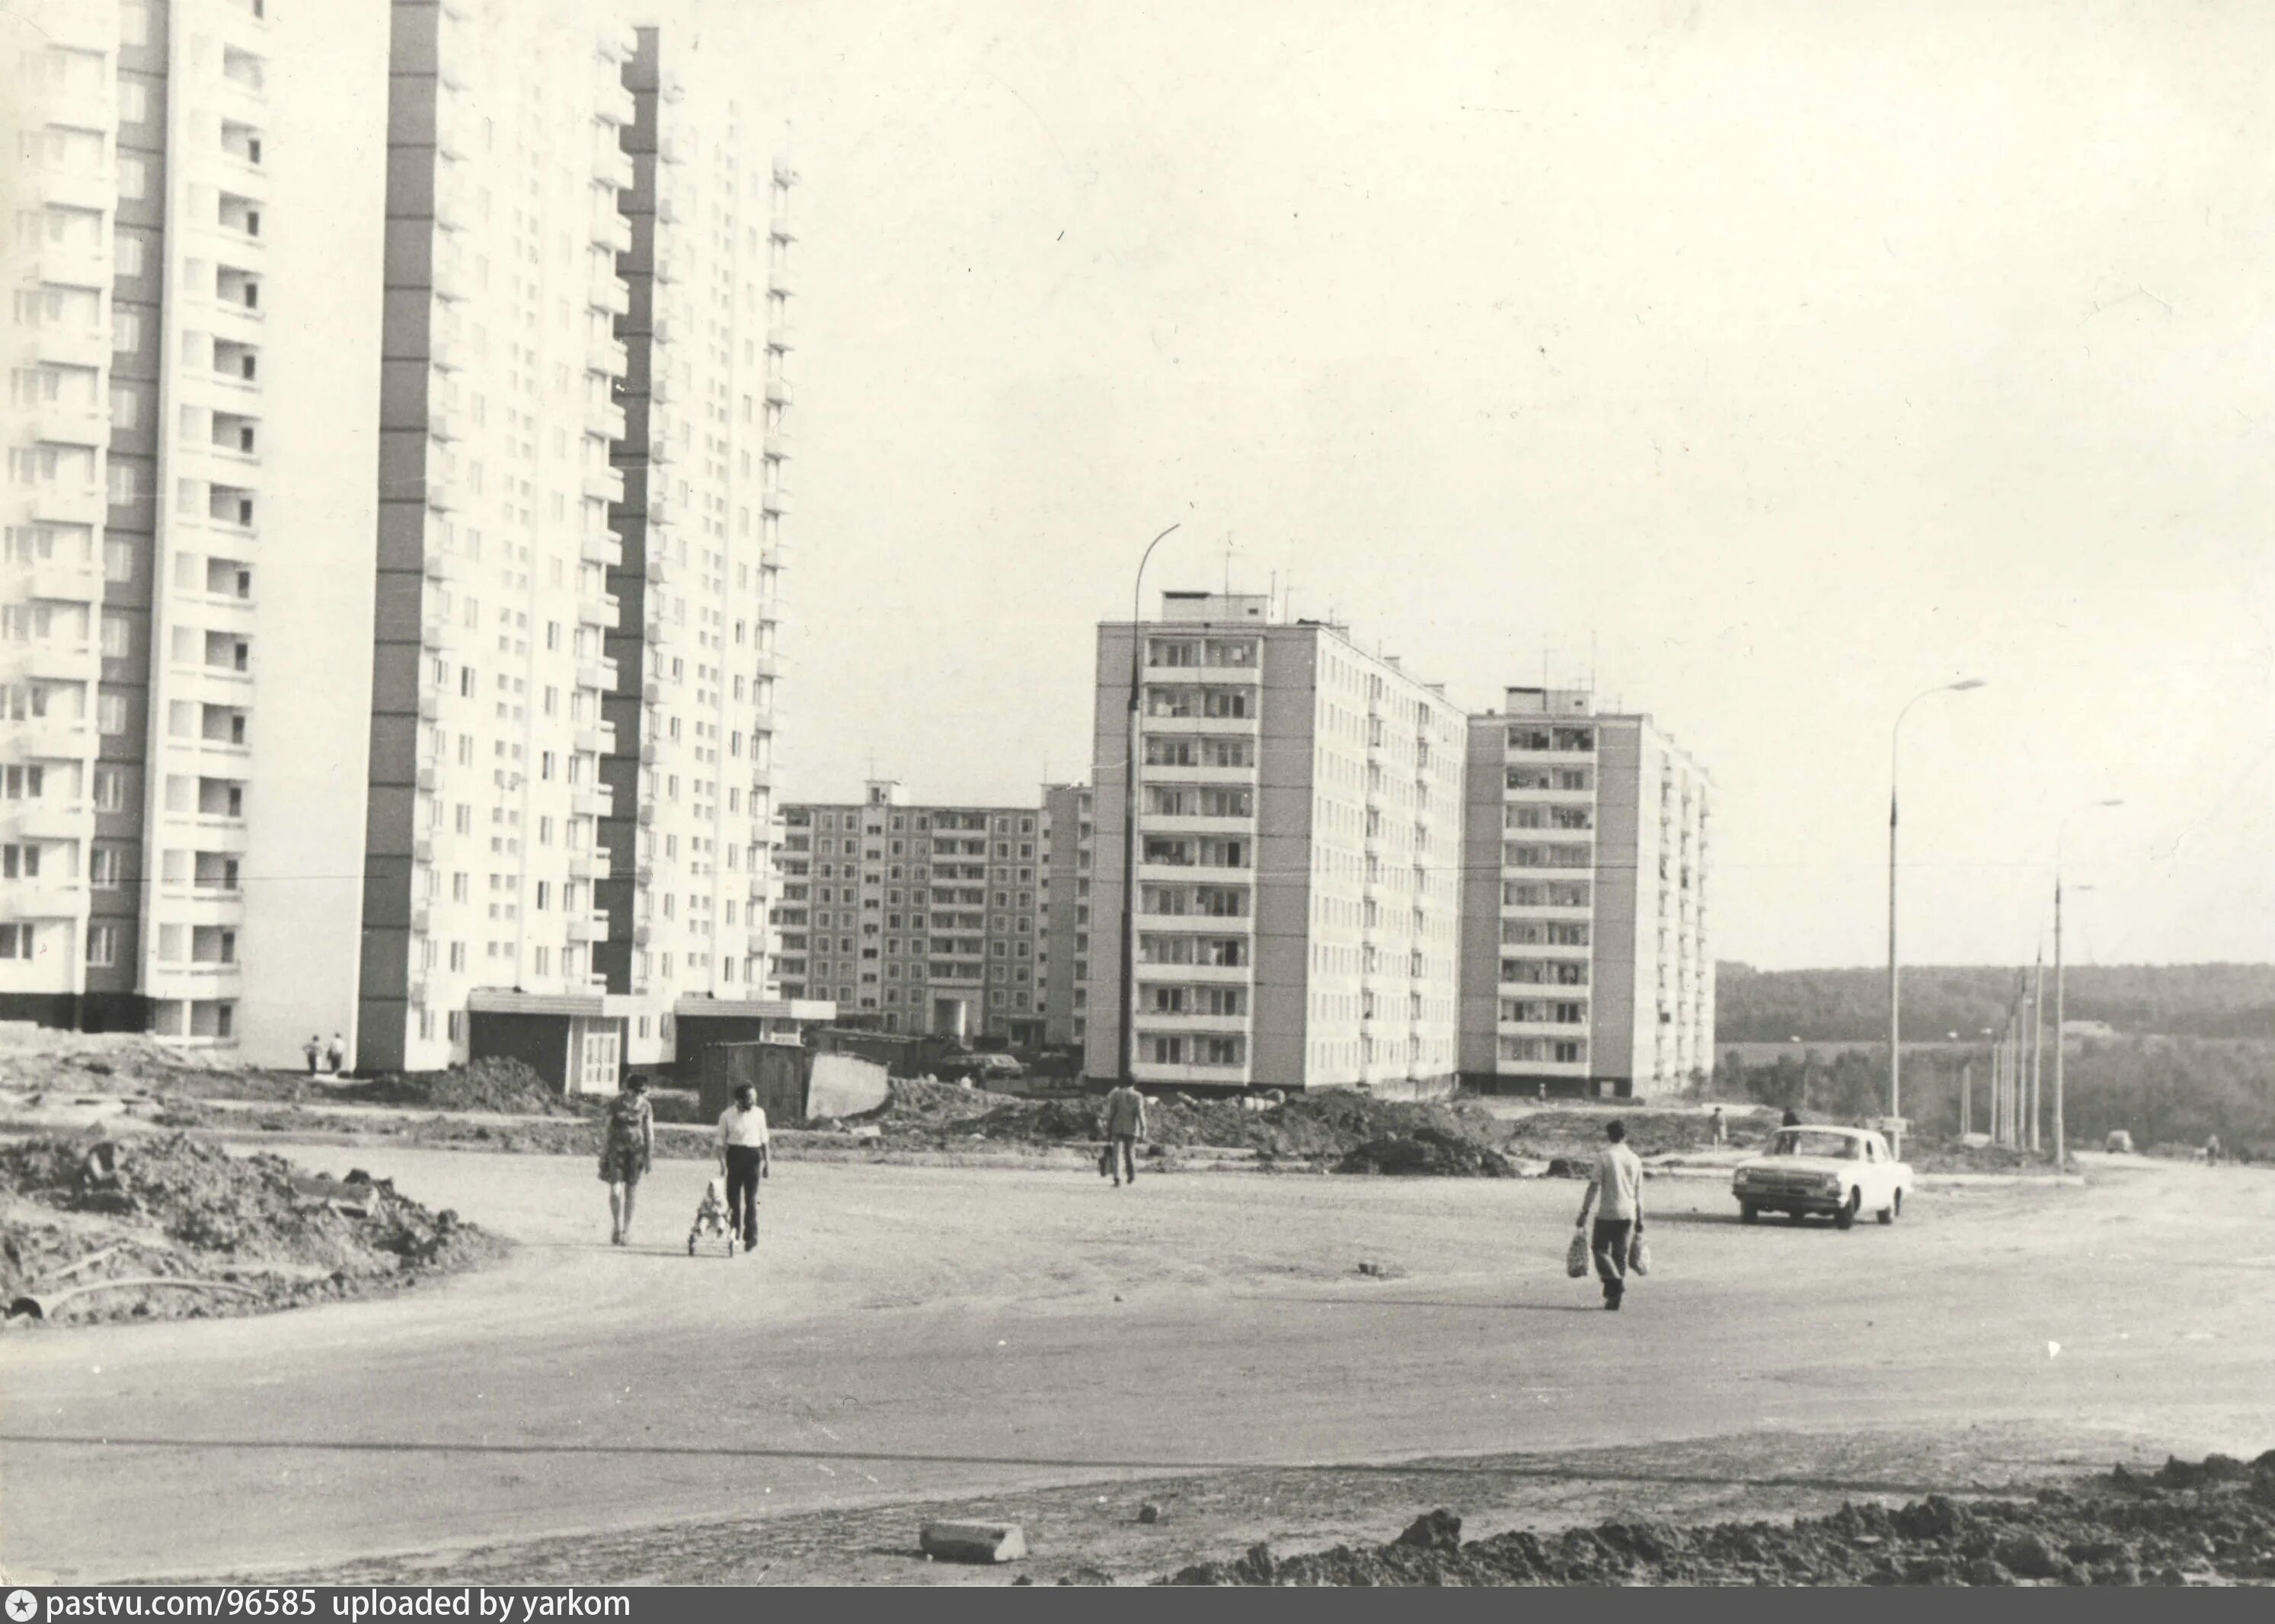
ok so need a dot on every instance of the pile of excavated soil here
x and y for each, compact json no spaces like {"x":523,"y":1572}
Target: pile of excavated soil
{"x":173,"y":1207}
{"x":40,"y":1059}
{"x":1426,"y":1151}
{"x":2189,"y":1523}
{"x":506,"y":1086}
{"x":1553,"y":1133}
{"x":1352,"y":1131}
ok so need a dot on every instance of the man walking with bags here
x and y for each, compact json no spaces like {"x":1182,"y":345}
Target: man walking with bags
{"x":1125,"y":1125}
{"x":1616,"y":1192}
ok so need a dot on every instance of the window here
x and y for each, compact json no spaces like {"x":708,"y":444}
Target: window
{"x":103,"y":946}
{"x":106,"y":867}
{"x":19,"y":861}
{"x":15,"y":941}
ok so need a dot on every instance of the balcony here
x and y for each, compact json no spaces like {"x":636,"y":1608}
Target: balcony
{"x":612,"y":166}
{"x":54,"y":581}
{"x":603,"y":611}
{"x":601,"y":547}
{"x":442,"y":423}
{"x":606,"y":419}
{"x":605,"y":484}
{"x":660,"y":512}
{"x":611,"y":296}
{"x":443,"y":354}
{"x":776,"y":500}
{"x":662,"y":450}
{"x":42,"y":899}
{"x":443,"y":496}
{"x":49,"y":819}
{"x":587,"y":865}
{"x":607,"y":356}
{"x":778,"y":391}
{"x":596,"y":740}
{"x":599,"y":674}
{"x":611,"y":231}
{"x":661,"y":571}
{"x":591,"y":801}
{"x":588,"y":927}
{"x":614,"y":103}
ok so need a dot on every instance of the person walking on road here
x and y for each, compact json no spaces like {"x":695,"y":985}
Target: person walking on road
{"x":1721,"y":1129}
{"x":1616,"y":1192}
{"x":314,"y":1050}
{"x":336,"y":1055}
{"x":627,"y":1148}
{"x":742,"y":1157}
{"x":1125,"y":1125}
{"x":2211,"y":1151}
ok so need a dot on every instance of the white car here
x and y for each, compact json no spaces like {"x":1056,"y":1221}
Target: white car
{"x":1839,"y":1172}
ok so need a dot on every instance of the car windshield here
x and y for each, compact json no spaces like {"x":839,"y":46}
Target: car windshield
{"x":1805,"y":1142}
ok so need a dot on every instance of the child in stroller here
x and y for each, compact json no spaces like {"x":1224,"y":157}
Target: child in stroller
{"x":711,"y":1217}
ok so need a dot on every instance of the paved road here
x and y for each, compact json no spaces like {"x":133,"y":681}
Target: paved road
{"x":922,"y":1331}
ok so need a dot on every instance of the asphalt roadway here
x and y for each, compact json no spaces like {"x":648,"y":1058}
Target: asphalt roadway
{"x":910,"y":1332}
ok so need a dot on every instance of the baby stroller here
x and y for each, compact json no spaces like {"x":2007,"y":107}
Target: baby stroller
{"x":711,"y":1217}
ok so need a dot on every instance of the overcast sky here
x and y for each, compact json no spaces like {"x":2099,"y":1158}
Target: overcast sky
{"x":1774,"y":361}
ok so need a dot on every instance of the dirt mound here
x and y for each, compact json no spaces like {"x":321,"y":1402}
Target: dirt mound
{"x":508,"y":1087}
{"x":2206,"y":1522}
{"x":1350,"y":1130}
{"x":1426,"y":1151}
{"x":78,"y":1210}
{"x":1649,"y":1133}
{"x":40,"y":1059}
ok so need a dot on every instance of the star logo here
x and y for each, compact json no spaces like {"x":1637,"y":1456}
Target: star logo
{"x":22,"y":1607}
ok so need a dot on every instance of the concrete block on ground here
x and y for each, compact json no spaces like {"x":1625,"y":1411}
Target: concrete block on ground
{"x":973,"y":1541}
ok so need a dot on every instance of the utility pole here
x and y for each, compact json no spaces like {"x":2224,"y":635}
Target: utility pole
{"x":1896,"y":1035}
{"x":2038,"y":1040}
{"x":1966,"y":1098}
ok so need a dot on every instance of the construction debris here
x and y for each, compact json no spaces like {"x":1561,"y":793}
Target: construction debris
{"x":973,"y":1541}
{"x":2207,"y":1522}
{"x":168,"y":1227}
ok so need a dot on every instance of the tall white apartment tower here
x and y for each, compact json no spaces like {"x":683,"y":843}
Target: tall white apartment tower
{"x":197,"y":280}
{"x":1298,"y":815}
{"x":498,"y":410}
{"x":1585,"y":968}
{"x":696,"y":566}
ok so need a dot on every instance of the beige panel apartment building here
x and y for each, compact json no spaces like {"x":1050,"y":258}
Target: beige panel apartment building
{"x":196,"y":265}
{"x":1063,"y":953}
{"x":1586,"y":965}
{"x":914,"y":919}
{"x":1299,"y":825}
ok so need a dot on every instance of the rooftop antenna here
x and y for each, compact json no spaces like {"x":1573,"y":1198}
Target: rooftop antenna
{"x":1229,"y":551}
{"x":1591,"y":661}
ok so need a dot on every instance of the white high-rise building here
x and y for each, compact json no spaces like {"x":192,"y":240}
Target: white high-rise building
{"x":191,"y":503}
{"x":690,"y":875}
{"x":444,"y":726}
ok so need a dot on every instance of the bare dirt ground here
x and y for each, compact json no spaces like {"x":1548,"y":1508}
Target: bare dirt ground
{"x":912,"y":1337}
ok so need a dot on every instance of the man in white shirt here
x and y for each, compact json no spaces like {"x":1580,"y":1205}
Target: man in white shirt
{"x":1615,"y":1190}
{"x":742,"y":1159}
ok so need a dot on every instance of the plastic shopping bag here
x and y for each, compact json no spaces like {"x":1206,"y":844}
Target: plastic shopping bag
{"x":1575,"y":1256}
{"x":1639,"y":1256}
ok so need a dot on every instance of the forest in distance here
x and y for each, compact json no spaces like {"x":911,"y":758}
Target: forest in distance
{"x":1835,"y":1006}
{"x":2193,"y":1054}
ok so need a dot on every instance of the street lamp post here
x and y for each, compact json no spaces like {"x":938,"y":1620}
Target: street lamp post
{"x":2062,"y":832}
{"x":1895,"y":1036}
{"x":1127,"y":1049}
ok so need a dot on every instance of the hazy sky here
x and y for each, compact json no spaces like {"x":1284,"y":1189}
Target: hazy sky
{"x":1777,"y":361}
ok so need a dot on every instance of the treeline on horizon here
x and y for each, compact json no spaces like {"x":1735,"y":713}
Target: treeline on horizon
{"x":1832,"y":1005}
{"x":2164,"y":1092}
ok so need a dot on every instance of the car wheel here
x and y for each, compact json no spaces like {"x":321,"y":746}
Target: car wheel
{"x":1749,"y":1213}
{"x":1894,"y":1209}
{"x":1845,"y":1217}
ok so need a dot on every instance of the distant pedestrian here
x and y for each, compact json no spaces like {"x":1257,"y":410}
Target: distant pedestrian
{"x":1791,"y":1118}
{"x":1125,"y":1125}
{"x":627,"y":1148}
{"x":1616,"y":1192}
{"x":1544,"y":1093}
{"x":336,"y":1055}
{"x":742,"y":1157}
{"x":1721,"y":1127}
{"x":2212,"y":1151}
{"x":314,"y":1050}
